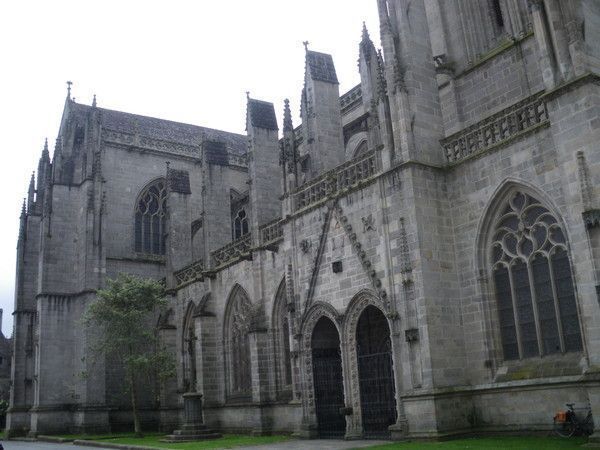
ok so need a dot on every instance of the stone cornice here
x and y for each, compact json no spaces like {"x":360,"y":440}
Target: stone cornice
{"x":582,"y":80}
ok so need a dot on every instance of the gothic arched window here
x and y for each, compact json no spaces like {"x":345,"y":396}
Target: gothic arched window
{"x":535,"y":296}
{"x":237,"y":344}
{"x":150,"y":210}
{"x":240,"y":224}
{"x":281,"y":336}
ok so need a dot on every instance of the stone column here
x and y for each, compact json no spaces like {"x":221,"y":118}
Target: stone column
{"x":193,"y":428}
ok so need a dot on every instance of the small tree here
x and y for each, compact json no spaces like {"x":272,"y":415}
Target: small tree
{"x":121,"y":319}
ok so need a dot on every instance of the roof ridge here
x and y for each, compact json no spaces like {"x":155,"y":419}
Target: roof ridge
{"x":160,"y":119}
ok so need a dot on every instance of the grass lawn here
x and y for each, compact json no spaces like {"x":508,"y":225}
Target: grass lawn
{"x":238,"y":440}
{"x":227,"y":441}
{"x":492,"y":443}
{"x":93,"y":437}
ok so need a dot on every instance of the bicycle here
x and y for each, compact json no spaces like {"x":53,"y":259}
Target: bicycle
{"x":569,"y":423}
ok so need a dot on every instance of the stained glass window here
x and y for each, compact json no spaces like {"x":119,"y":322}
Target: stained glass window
{"x":150,"y":219}
{"x":240,"y":224}
{"x":535,"y":296}
{"x":238,"y":345}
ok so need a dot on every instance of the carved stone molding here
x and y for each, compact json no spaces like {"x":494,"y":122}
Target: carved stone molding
{"x":356,"y":307}
{"x":311,"y":317}
{"x":361,"y":253}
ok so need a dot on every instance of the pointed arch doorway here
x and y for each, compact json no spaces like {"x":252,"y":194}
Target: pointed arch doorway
{"x":376,"y":373}
{"x":328,"y":381}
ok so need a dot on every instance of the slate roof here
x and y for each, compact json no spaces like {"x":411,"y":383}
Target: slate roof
{"x":179,"y":181}
{"x":321,"y":66}
{"x":167,"y":130}
{"x":262,"y":114}
{"x":215,"y":152}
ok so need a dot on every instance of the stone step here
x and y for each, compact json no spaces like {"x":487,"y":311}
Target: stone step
{"x":191,"y":437}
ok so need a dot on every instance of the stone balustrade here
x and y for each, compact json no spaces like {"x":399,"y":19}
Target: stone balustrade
{"x":237,"y":249}
{"x":271,"y":232}
{"x":497,"y":129}
{"x":351,"y":98}
{"x":343,"y":177}
{"x":189,"y":273}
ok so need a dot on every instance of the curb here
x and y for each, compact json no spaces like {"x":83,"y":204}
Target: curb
{"x":54,"y":439}
{"x":101,"y":444}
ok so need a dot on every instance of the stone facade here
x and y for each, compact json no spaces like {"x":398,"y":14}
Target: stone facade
{"x":421,"y":257}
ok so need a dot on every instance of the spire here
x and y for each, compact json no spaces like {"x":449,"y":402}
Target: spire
{"x":366,"y":46}
{"x":45,"y":152}
{"x":287,"y":116}
{"x":288,"y":153}
{"x":365,"y":33}
{"x":31,"y":192}
{"x":94,"y":101}
{"x":305,"y":43}
{"x":69,"y":84}
{"x":23,"y":208}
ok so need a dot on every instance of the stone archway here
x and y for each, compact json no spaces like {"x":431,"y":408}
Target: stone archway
{"x":328,"y":379}
{"x":375,"y":373}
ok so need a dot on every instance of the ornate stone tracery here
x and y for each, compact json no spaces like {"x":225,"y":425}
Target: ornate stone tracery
{"x":531,"y":274}
{"x":150,"y":216}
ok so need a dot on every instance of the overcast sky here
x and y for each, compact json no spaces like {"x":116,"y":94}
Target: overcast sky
{"x":188,"y":61}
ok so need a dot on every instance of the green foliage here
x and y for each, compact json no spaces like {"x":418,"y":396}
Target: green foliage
{"x":121,"y":317}
{"x":121,"y":322}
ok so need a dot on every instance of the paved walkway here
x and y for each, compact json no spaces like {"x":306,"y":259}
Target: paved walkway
{"x":20,"y":445}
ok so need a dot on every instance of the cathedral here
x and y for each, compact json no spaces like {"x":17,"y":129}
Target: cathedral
{"x":419,"y":258}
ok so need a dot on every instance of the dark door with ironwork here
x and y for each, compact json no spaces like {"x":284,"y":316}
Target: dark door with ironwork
{"x":327,"y":379}
{"x":376,"y":373}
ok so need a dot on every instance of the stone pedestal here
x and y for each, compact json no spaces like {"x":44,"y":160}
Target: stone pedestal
{"x":399,"y":431}
{"x":193,"y":428}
